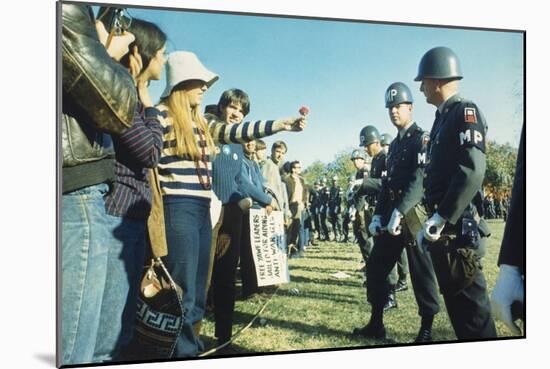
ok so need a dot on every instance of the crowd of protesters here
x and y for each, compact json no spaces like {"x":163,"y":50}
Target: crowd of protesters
{"x":132,"y":168}
{"x":139,"y":176}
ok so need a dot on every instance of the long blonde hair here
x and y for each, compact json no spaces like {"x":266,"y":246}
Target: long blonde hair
{"x":183,"y":116}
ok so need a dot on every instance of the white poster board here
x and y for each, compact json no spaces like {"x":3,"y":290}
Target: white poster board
{"x":268,"y":242}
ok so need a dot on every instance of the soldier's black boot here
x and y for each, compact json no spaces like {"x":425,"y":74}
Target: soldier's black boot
{"x":371,"y":331}
{"x":424,"y":335}
{"x":425,"y":332}
{"x":375,"y":328}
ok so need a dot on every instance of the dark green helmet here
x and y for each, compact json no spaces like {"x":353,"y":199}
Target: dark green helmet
{"x":386,"y":139}
{"x":368,"y":135}
{"x":439,"y":63}
{"x":398,"y":93}
{"x":358,"y":154}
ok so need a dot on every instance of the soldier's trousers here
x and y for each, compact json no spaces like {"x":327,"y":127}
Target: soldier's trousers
{"x":336,"y":222}
{"x":316,"y":223}
{"x":385,"y":253}
{"x":345,"y":226}
{"x":361,"y":233}
{"x":324,"y":228}
{"x":468,"y":308}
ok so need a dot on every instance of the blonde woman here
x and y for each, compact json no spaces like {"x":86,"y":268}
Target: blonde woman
{"x":185,"y":180}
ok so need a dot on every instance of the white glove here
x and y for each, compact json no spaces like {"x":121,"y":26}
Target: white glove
{"x":509,"y":288}
{"x":437,"y":222}
{"x":393,"y":224}
{"x":375,"y":225}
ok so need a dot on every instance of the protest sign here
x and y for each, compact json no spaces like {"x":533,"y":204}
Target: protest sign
{"x":267,"y":239}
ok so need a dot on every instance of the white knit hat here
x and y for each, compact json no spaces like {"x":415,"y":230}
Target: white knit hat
{"x":184,"y":66}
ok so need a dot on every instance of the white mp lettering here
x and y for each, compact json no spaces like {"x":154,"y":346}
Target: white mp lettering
{"x":478,"y":137}
{"x":391,"y":94}
{"x":421,"y":158}
{"x":465,"y":137}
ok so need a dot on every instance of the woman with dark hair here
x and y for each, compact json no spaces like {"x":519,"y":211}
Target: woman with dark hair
{"x":128,"y":202}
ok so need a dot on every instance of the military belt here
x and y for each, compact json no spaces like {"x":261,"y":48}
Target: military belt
{"x":431,"y":209}
{"x":393,"y":195}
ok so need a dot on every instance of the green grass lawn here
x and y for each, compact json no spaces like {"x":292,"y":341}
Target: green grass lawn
{"x":325,"y":310}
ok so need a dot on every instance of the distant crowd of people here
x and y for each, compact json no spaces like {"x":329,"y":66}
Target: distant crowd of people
{"x":496,"y":207}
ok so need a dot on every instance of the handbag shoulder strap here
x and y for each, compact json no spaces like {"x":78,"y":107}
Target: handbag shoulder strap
{"x":155,"y":222}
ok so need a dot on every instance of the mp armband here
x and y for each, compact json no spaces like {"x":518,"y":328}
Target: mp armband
{"x":471,"y":130}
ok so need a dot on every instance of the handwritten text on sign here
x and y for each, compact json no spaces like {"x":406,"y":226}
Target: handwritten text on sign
{"x":269,"y":247}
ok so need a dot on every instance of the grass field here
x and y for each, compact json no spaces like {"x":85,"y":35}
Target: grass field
{"x":318,"y":311}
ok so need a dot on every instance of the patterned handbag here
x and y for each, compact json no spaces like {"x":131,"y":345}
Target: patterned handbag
{"x":159,"y":312}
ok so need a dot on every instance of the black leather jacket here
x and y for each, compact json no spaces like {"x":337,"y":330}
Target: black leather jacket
{"x":98,"y":99}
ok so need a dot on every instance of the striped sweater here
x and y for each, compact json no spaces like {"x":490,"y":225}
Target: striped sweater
{"x":179,"y":175}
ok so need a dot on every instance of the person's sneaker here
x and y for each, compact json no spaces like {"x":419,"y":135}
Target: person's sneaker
{"x":392,"y":302}
{"x":424,"y":335}
{"x":369,"y":331}
{"x":401,"y":286}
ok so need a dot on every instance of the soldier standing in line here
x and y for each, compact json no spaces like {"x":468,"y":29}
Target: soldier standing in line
{"x":350,"y":212}
{"x":385,"y":142}
{"x":402,"y":262}
{"x":314,"y":204}
{"x":455,"y":233}
{"x":335,"y":208}
{"x":323,"y":208}
{"x":359,"y":222}
{"x":372,"y":185}
{"x":398,"y":208}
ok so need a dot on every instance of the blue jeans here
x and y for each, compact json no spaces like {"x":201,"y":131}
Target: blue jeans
{"x":189,"y":235}
{"x":124,"y":271}
{"x":84,"y":254}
